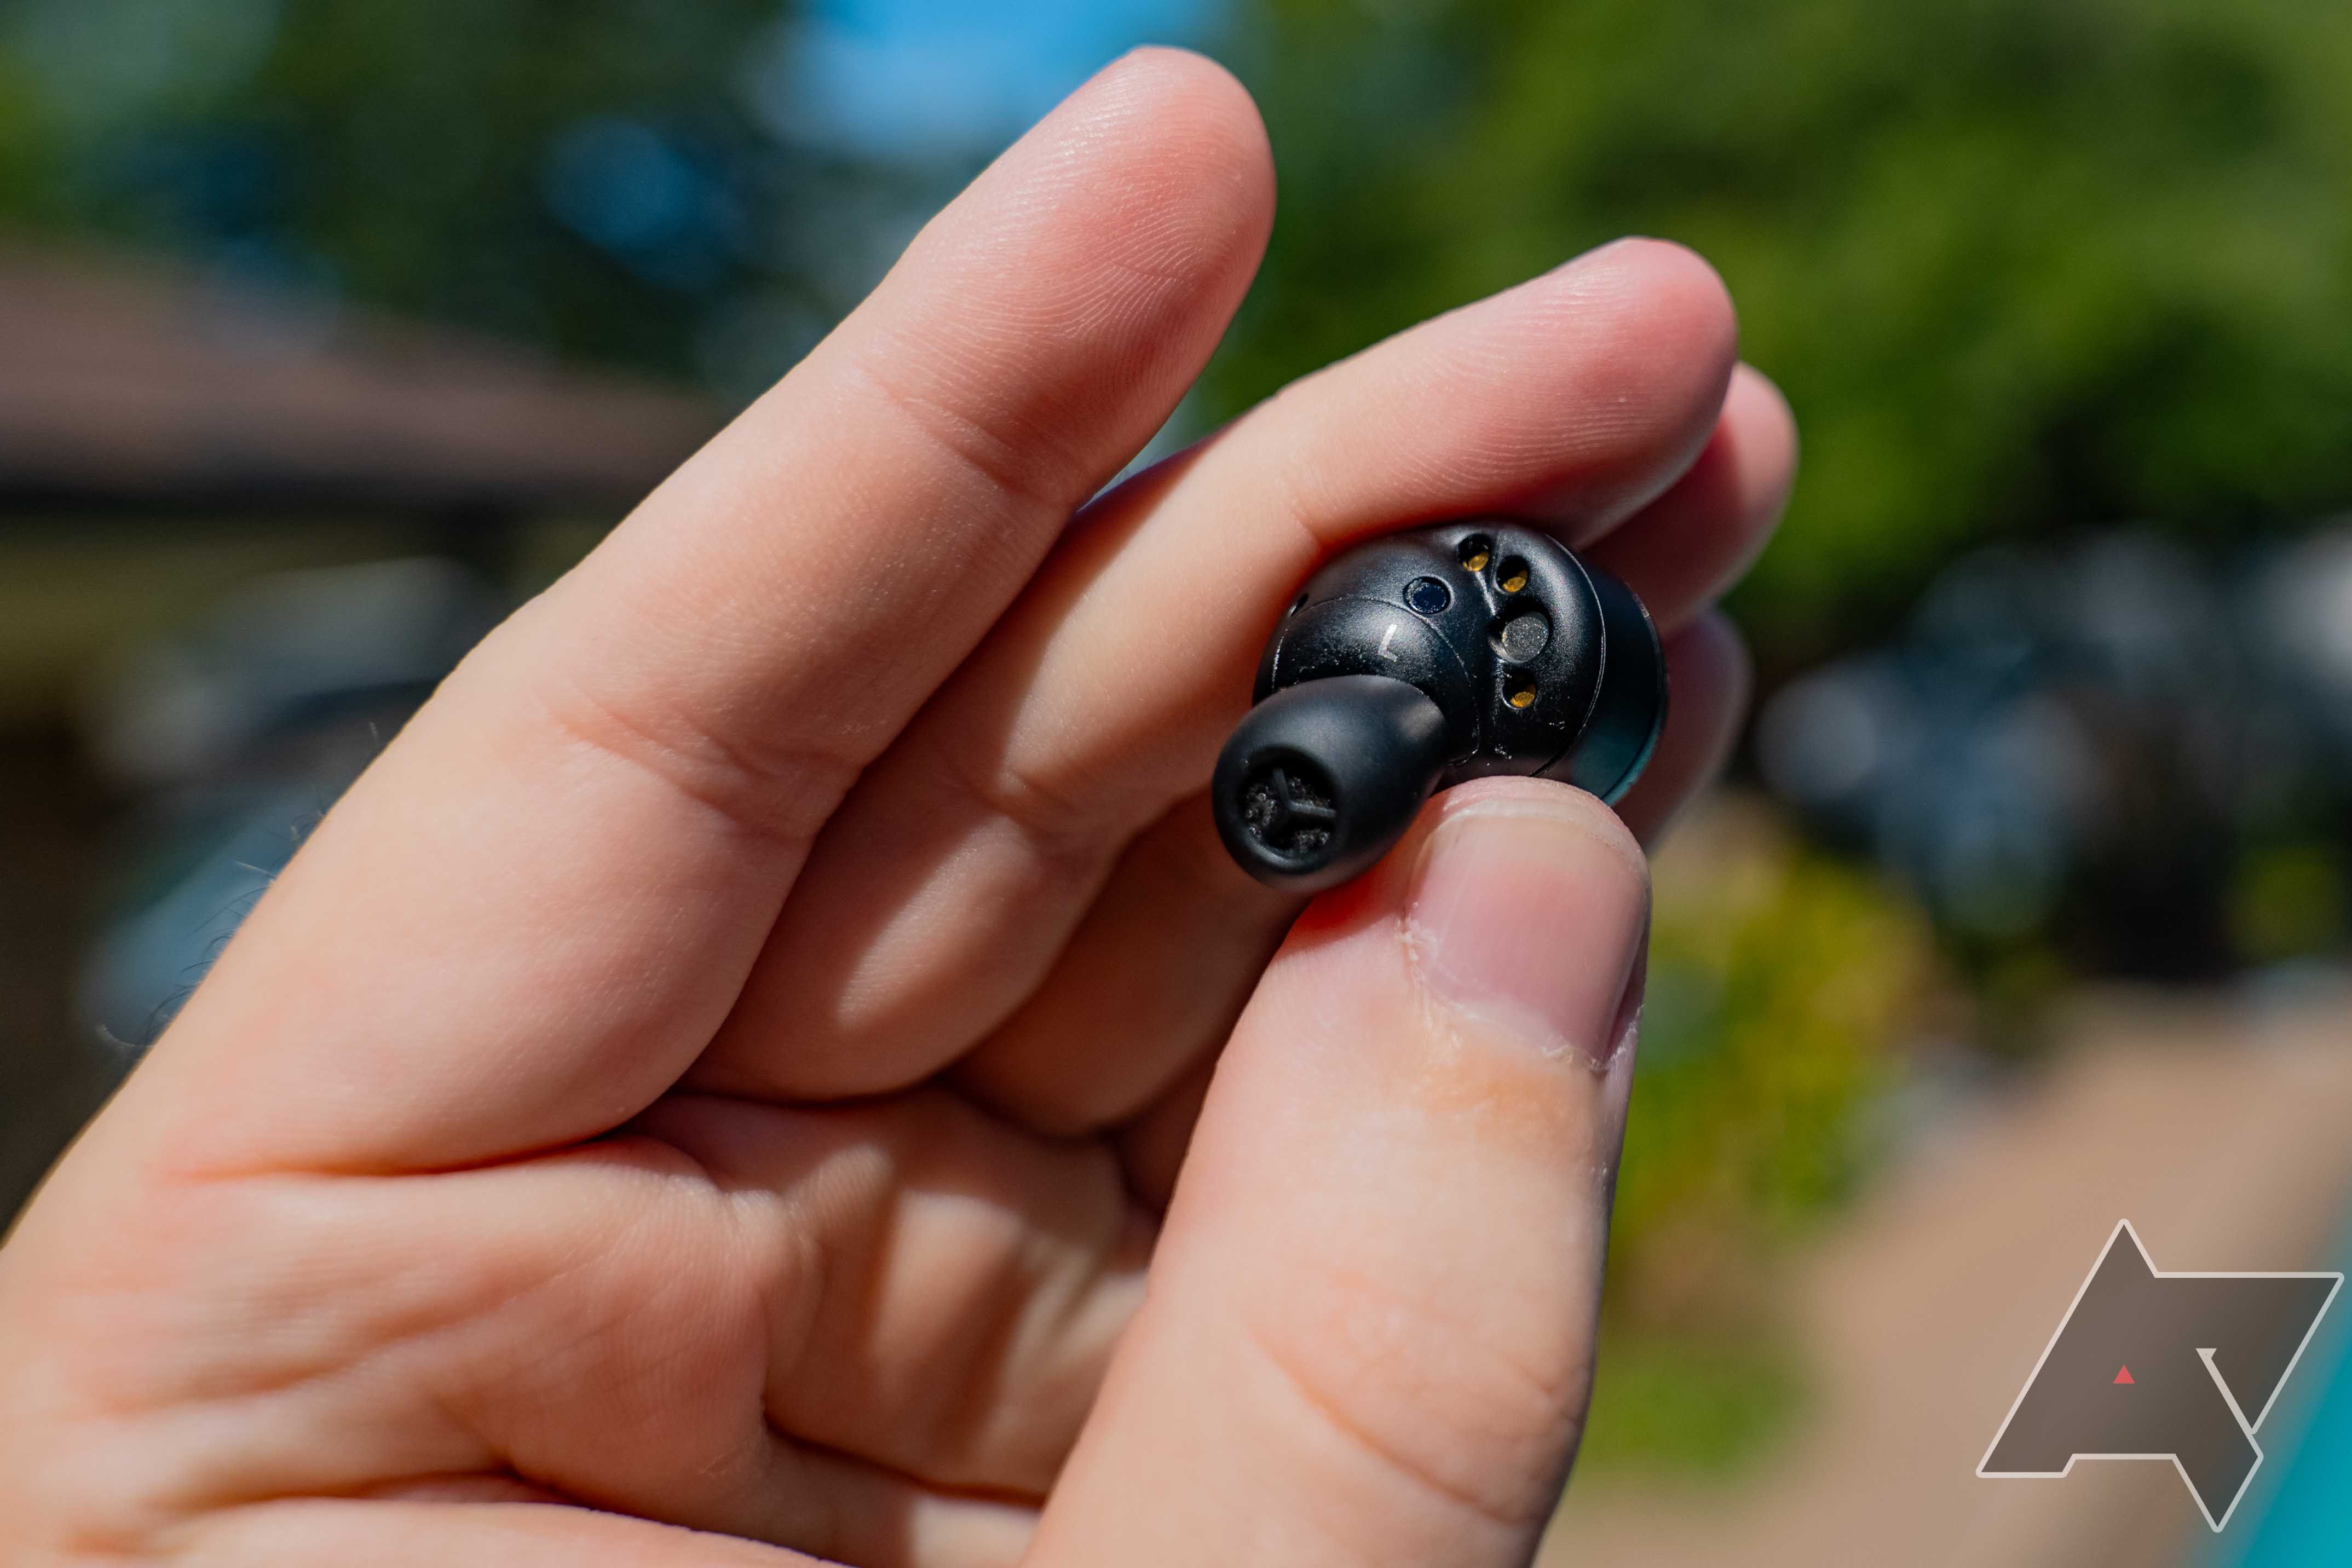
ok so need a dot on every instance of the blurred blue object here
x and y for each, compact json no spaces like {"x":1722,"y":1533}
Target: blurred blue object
{"x":2298,"y":1515}
{"x":238,"y":734}
{"x":2302,"y":619}
{"x":920,"y":79}
{"x":631,"y":190}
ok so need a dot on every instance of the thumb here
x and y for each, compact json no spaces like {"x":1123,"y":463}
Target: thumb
{"x":1368,"y":1333}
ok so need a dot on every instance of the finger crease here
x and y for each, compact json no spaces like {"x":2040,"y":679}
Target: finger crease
{"x":781,"y":800}
{"x":1384,"y":1452}
{"x":1056,"y":825}
{"x":1008,"y":463}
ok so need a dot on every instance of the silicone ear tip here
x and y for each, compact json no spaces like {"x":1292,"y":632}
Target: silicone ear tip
{"x":1321,"y":778}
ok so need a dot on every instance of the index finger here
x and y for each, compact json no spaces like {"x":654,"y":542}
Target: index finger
{"x":530,"y":915}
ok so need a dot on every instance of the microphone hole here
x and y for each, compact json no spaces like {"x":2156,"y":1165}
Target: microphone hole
{"x":1427,"y":596}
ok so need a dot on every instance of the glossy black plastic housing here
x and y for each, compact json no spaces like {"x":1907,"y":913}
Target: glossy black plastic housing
{"x":1418,"y":661}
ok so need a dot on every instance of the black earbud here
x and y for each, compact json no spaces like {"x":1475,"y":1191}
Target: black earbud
{"x":1418,"y":661}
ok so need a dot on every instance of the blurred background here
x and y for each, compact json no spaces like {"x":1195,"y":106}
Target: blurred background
{"x":330,"y":328}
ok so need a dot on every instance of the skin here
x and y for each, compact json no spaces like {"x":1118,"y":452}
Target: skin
{"x":772,"y":1061}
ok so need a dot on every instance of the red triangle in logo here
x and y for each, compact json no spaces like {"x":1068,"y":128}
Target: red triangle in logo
{"x":2123,"y":1374}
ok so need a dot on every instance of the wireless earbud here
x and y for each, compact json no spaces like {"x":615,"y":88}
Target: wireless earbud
{"x":1420,"y":660}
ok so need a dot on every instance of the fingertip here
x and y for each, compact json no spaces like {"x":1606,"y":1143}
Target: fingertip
{"x":1675,"y":277}
{"x":1514,"y":906}
{"x":1761,"y":427}
{"x":1681,"y":298}
{"x":1385,"y":892}
{"x":1547,"y":801}
{"x":1181,"y":86}
{"x":1703,"y":533}
{"x":1526,"y":912}
{"x":1200,"y":143}
{"x":1709,"y":675}
{"x":1654,"y":325}
{"x":1716,"y":656}
{"x":1136,"y":211}
{"x":1762,"y":409}
{"x":1063,"y":304}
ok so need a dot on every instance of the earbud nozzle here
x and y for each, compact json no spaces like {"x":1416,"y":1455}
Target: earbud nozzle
{"x":1321,"y":778}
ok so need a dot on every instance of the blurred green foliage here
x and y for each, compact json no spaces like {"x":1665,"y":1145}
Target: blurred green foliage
{"x":2289,"y":900}
{"x":2018,"y":264}
{"x":405,"y":154}
{"x":1780,"y":983}
{"x":1694,"y":1408}
{"x":1782,"y":986}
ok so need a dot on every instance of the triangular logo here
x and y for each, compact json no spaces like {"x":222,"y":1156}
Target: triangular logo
{"x":2221,"y":1344}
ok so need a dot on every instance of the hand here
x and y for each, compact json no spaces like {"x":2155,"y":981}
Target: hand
{"x":720,"y":1077}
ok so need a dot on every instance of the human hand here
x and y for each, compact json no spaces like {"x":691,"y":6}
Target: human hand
{"x":720,"y":1077}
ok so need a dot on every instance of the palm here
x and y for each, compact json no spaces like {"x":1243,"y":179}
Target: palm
{"x":871,"y":1331}
{"x":726,"y":1065}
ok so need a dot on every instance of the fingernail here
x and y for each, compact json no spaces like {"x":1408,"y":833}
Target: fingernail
{"x":1525,"y":916}
{"x":1625,"y":1031}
